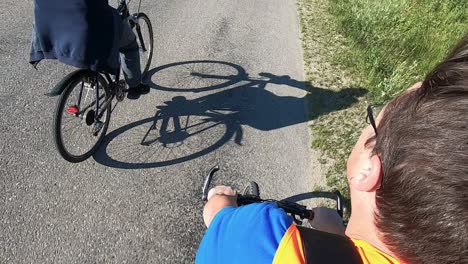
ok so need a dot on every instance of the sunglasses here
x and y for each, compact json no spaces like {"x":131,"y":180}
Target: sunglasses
{"x":372,"y":112}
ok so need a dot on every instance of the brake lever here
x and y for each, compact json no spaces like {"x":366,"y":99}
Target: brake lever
{"x":206,"y":184}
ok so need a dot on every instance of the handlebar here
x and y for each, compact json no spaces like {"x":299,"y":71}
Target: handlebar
{"x":289,"y":207}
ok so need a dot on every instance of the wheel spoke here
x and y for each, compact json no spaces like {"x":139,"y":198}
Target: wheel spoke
{"x":74,"y":131}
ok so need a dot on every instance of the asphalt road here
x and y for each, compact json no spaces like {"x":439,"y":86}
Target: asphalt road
{"x":243,"y":109}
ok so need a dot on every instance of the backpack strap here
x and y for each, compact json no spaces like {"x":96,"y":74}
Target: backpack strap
{"x":322,"y":247}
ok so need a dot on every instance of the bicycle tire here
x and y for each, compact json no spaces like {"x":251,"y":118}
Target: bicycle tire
{"x":60,"y":144}
{"x":149,"y":53}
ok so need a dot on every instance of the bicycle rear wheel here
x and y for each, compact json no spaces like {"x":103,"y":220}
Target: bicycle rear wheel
{"x":78,"y":128}
{"x":144,"y":33}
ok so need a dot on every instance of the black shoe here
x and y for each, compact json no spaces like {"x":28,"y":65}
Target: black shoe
{"x":135,"y":92}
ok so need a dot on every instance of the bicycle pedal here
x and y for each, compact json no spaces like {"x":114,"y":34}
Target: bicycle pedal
{"x":97,"y":128}
{"x":121,"y":90}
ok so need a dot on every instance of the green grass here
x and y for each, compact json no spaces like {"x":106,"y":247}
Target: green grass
{"x":336,"y":98}
{"x":396,"y":42}
{"x":382,"y":46}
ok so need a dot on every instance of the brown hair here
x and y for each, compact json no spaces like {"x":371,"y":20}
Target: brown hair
{"x":422,"y":203}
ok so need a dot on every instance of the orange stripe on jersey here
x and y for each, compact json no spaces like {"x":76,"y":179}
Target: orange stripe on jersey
{"x":370,"y":254}
{"x":290,"y":249}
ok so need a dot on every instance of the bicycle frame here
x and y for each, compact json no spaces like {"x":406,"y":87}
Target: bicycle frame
{"x":123,"y":9}
{"x":112,"y":85}
{"x":124,"y":12}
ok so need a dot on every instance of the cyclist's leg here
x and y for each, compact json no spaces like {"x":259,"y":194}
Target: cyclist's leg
{"x":131,"y":56}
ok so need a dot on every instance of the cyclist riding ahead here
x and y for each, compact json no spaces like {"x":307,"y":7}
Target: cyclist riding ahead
{"x":408,"y":179}
{"x":87,"y":34}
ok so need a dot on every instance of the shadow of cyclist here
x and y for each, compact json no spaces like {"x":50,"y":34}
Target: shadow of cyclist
{"x":184,"y":129}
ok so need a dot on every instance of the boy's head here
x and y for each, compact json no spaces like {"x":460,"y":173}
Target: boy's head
{"x":416,"y":167}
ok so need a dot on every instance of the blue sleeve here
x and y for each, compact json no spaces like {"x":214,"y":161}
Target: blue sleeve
{"x":246,"y":234}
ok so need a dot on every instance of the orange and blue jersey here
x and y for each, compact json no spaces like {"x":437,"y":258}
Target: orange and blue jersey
{"x":246,"y":234}
{"x":263,"y":233}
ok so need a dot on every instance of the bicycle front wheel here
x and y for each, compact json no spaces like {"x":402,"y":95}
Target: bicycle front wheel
{"x":144,"y":33}
{"x":79,"y":126}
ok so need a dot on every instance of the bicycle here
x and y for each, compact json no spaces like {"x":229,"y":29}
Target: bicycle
{"x":251,"y":194}
{"x":86,"y":96}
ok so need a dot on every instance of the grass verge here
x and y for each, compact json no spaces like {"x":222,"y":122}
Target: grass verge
{"x":358,"y":52}
{"x":337,"y":96}
{"x":394,"y":43}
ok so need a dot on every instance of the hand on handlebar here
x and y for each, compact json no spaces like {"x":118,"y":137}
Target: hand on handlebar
{"x":218,"y":198}
{"x":328,"y":220}
{"x":221,"y":196}
{"x":222,"y":190}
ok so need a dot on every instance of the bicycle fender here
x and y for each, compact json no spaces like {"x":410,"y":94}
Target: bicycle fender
{"x":64,"y":83}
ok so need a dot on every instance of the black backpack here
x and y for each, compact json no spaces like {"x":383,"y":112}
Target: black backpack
{"x":322,"y":247}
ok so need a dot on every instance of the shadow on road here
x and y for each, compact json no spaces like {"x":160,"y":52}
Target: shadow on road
{"x":185,"y":129}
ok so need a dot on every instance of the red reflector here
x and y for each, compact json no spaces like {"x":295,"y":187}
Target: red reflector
{"x":72,"y":110}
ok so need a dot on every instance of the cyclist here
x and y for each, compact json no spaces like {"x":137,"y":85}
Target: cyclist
{"x":408,"y":179}
{"x":86,"y":34}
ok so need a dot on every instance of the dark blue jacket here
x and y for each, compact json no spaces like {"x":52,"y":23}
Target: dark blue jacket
{"x":81,"y":33}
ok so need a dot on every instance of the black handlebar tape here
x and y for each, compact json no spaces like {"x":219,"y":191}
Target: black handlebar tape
{"x":206,"y":185}
{"x":339,"y":203}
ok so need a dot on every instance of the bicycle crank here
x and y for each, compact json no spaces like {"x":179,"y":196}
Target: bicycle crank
{"x":98,"y":125}
{"x":91,"y":121}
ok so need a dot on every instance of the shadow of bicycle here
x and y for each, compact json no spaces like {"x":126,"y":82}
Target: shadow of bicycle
{"x":185,"y":129}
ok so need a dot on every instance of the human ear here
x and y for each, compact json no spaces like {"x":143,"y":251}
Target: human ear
{"x":370,"y":175}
